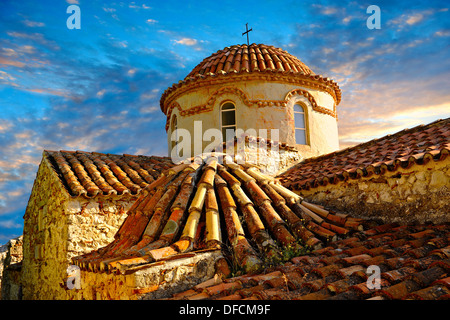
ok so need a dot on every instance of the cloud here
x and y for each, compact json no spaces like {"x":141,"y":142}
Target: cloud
{"x":442,"y":33}
{"x":110,"y":10}
{"x":151,"y":21}
{"x":390,"y":107}
{"x":413,"y":18}
{"x":326,"y":10}
{"x":133,"y":5}
{"x":36,"y":37}
{"x":48,"y":91}
{"x":9,"y":224}
{"x":152,"y":109}
{"x":5,"y":125}
{"x":132,"y":72}
{"x":186,"y":41}
{"x":72,"y":1}
{"x":121,"y":44}
{"x":100,"y":93}
{"x":11,"y":62}
{"x":33,"y":24}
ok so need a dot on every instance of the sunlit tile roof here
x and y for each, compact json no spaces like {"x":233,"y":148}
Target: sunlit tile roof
{"x":91,"y":173}
{"x":208,"y":205}
{"x":412,"y":262}
{"x":417,"y":145}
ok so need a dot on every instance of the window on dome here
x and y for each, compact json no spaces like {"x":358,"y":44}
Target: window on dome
{"x":300,"y":124}
{"x":228,"y":119}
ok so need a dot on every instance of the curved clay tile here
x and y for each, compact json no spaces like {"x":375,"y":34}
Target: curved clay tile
{"x":255,"y":57}
{"x":75,"y":187}
{"x":185,"y":208}
{"x":388,"y":153}
{"x":83,"y":176}
{"x":90,"y":173}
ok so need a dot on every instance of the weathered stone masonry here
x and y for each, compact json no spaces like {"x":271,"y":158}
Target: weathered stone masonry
{"x":59,"y":227}
{"x":419,"y":193}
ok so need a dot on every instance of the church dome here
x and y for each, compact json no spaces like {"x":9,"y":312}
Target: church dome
{"x":256,"y":60}
{"x":252,"y":58}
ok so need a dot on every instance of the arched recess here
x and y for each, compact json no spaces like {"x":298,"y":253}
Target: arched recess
{"x":228,"y":120}
{"x":301,"y":133}
{"x":299,"y":104}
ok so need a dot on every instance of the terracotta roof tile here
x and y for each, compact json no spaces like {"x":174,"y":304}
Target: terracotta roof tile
{"x":250,"y":60}
{"x":256,"y":55}
{"x":402,"y":149}
{"x":90,"y":173}
{"x":345,"y":278}
{"x":263,"y":223}
{"x":181,"y":212}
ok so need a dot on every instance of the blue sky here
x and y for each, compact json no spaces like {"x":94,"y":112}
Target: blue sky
{"x":98,"y":88}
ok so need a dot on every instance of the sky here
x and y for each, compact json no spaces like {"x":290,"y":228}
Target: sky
{"x":97,"y":88}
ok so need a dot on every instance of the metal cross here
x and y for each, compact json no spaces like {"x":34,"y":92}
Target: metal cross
{"x":246,"y":32}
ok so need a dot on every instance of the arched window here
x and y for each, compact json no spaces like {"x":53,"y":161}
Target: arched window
{"x":228,"y":119}
{"x":173,"y":128}
{"x":300,"y":124}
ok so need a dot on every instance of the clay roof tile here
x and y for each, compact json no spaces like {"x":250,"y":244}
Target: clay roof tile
{"x":377,"y":156}
{"x":410,"y":257}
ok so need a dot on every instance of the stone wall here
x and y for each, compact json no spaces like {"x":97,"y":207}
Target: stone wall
{"x":154,"y":281}
{"x":92,"y":223}
{"x":10,"y":254}
{"x":271,"y":161}
{"x":58,"y":227}
{"x":420,"y":193}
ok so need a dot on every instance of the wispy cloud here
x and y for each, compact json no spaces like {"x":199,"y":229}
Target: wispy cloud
{"x":36,"y":37}
{"x":10,"y":62}
{"x":413,"y":17}
{"x":9,"y":224}
{"x":442,"y":33}
{"x":110,"y":10}
{"x":326,"y":10}
{"x":33,"y":24}
{"x":186,"y":41}
{"x":133,"y":5}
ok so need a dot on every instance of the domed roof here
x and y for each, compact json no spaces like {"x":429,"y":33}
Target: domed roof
{"x":255,"y":57}
{"x":255,"y":60}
